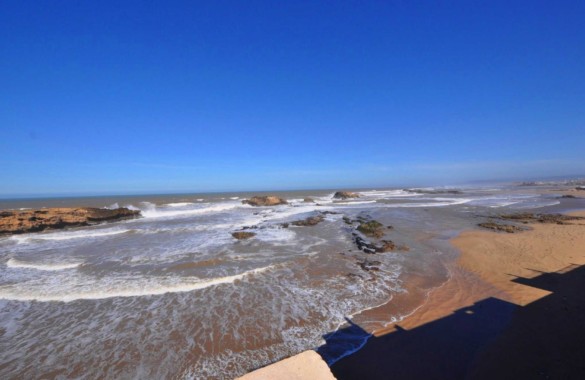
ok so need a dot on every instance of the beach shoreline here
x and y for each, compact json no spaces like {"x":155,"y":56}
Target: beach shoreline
{"x":486,"y":269}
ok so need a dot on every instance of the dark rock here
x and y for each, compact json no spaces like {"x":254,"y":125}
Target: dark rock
{"x":541,"y":218}
{"x":345,"y":195}
{"x":241,"y":235}
{"x":310,"y":221}
{"x":265,"y":201}
{"x":364,"y":245}
{"x":501,"y":227}
{"x":568,"y":196}
{"x":368,"y":265}
{"x":309,"y":200}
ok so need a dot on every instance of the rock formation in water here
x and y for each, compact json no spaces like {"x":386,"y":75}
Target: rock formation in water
{"x":509,"y":228}
{"x":526,"y":218}
{"x":389,"y":246}
{"x":310,"y":221}
{"x":18,"y":222}
{"x":345,"y":195}
{"x":265,"y":201}
{"x":372,"y":228}
{"x":241,"y":235}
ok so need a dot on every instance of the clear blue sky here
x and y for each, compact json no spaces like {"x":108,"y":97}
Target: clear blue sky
{"x":187,"y":96}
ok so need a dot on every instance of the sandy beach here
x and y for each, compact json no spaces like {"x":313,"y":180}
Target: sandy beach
{"x":511,"y":309}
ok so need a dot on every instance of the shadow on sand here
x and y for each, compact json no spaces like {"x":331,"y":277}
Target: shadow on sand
{"x":493,"y":339}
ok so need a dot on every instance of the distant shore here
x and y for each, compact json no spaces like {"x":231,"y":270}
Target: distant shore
{"x":442,"y":339}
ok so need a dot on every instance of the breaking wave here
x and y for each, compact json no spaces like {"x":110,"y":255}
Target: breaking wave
{"x":14,"y":263}
{"x":72,"y":288}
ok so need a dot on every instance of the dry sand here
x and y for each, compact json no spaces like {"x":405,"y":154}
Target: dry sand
{"x":489,"y":261}
{"x":307,"y":365}
{"x":501,"y":315}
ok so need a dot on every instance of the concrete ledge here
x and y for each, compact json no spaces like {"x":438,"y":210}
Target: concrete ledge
{"x":307,"y":365}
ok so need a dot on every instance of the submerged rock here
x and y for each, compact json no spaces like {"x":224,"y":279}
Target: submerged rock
{"x":368,"y":265}
{"x":509,"y":228}
{"x":364,"y":245}
{"x":345,"y":195}
{"x":371,"y":228}
{"x":389,"y":246}
{"x":541,"y":218}
{"x":242,"y":235}
{"x":265,"y":201}
{"x":310,"y":221}
{"x":19,"y":222}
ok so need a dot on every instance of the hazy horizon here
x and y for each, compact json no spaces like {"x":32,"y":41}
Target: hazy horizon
{"x":476,"y":183}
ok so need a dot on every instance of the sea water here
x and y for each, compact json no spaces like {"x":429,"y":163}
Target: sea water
{"x":173,"y":295}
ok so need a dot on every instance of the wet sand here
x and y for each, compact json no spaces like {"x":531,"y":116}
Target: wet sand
{"x":512,"y":308}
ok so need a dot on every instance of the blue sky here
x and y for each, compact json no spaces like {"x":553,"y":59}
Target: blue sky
{"x":173,"y":96}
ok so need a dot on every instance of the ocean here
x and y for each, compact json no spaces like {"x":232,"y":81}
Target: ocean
{"x":173,"y":295}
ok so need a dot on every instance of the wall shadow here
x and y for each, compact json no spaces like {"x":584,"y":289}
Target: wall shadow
{"x":492,"y":339}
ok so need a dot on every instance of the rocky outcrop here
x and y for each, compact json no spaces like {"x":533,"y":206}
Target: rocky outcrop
{"x":509,"y":228}
{"x":369,"y":265}
{"x":526,"y":218}
{"x":364,"y":245}
{"x":310,"y":221}
{"x":309,"y":200}
{"x":372,"y":228}
{"x":242,"y":235}
{"x":19,"y":222}
{"x":389,"y":246}
{"x":345,"y":195}
{"x":265,"y":201}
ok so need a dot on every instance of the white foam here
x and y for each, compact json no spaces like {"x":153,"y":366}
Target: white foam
{"x":386,"y":193}
{"x":277,"y":235}
{"x":150,"y":210}
{"x":68,"y":235}
{"x":354,"y":202}
{"x":14,"y":263}
{"x":179,"y":204}
{"x":445,"y":202}
{"x":71,"y":288}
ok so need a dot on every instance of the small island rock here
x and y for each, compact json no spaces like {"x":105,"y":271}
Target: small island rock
{"x":265,"y":201}
{"x":19,"y":222}
{"x":241,"y":235}
{"x":345,"y":195}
